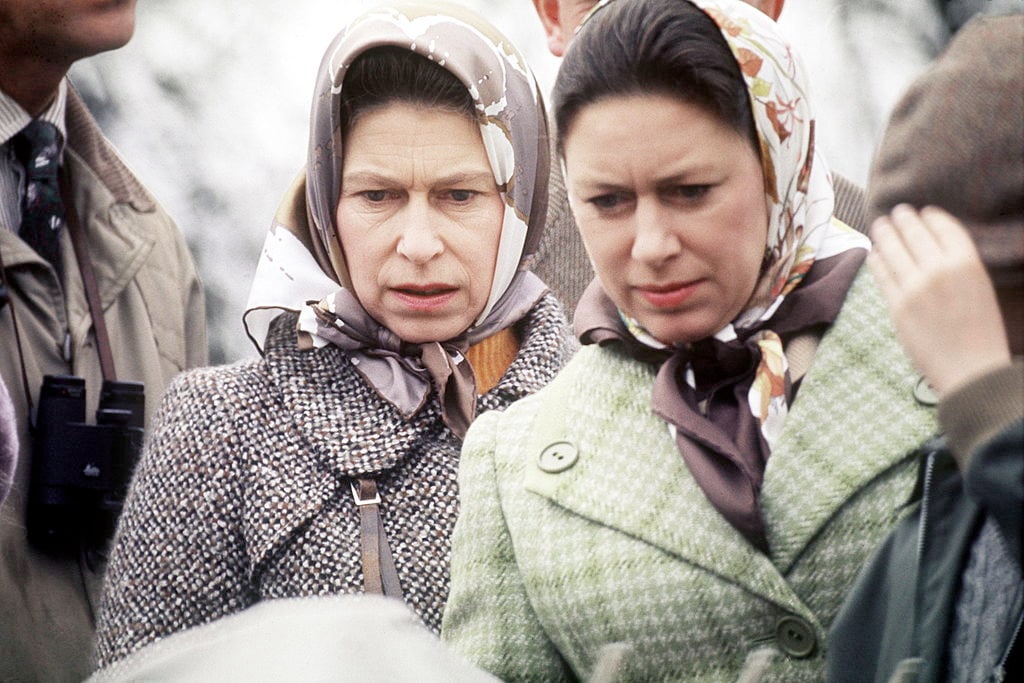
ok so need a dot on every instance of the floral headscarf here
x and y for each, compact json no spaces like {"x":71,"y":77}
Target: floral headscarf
{"x":302,"y":267}
{"x":727,"y":449}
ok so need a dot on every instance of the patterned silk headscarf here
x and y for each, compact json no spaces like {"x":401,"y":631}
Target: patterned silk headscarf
{"x":727,"y":450}
{"x":302,"y":267}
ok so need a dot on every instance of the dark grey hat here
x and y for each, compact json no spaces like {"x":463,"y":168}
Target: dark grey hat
{"x":956,"y":139}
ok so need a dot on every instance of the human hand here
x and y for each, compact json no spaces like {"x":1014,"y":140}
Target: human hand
{"x":942,"y":301}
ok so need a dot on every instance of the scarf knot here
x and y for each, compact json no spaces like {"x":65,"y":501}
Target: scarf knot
{"x":400,"y":372}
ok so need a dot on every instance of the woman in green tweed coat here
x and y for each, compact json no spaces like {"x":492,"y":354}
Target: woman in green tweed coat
{"x":694,"y":493}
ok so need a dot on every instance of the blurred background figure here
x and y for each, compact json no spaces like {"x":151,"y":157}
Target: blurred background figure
{"x":231,"y":102}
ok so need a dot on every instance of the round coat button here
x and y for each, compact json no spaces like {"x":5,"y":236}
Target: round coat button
{"x":557,"y":457}
{"x":795,"y":636}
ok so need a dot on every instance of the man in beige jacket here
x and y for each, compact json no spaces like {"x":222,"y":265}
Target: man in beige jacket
{"x":148,"y":289}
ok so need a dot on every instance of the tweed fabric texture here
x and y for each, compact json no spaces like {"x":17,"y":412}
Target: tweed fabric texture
{"x":242,"y":493}
{"x":623,"y":546}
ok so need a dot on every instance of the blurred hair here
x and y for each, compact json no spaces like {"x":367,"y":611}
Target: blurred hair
{"x":668,"y":47}
{"x":388,"y":74}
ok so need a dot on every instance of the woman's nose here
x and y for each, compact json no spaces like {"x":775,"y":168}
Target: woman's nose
{"x":420,"y":240}
{"x":654,"y":240}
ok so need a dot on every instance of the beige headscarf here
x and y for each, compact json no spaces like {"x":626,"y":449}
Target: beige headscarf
{"x":303,"y":268}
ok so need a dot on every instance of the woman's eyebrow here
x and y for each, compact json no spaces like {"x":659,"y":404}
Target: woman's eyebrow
{"x":456,"y":178}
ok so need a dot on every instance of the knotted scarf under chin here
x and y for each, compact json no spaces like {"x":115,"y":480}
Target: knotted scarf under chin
{"x":705,"y":392}
{"x":402,"y":372}
{"x":726,"y":401}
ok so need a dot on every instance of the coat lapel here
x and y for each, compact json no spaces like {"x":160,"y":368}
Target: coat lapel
{"x":628,"y":474}
{"x":855,"y":417}
{"x":334,"y":425}
{"x":329,"y":430}
{"x":120,"y":241}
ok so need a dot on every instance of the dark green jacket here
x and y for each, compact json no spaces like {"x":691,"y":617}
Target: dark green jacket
{"x":896,"y":623}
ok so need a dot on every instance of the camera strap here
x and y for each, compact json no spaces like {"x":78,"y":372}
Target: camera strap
{"x":92,"y":292}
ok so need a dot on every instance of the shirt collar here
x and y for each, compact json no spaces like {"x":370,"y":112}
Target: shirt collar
{"x":13,"y":117}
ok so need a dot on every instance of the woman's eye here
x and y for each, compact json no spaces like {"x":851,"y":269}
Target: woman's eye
{"x":461,"y":196}
{"x":690,"y":192}
{"x":607,"y":202}
{"x":375,"y":195}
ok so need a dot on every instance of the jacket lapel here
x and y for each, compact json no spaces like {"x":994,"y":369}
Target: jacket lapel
{"x":120,"y":240}
{"x":855,"y":417}
{"x":313,"y":450}
{"x":628,"y":474}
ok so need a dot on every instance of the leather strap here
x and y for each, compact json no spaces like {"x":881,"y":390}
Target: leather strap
{"x":379,"y":573}
{"x":92,"y":293}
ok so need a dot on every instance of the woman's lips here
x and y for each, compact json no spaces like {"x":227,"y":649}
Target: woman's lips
{"x":668,"y":296}
{"x":428,"y":297}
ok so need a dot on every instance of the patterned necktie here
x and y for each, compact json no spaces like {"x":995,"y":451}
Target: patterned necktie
{"x":37,"y":147}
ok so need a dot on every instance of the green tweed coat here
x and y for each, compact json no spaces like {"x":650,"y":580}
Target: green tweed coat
{"x":582,"y":527}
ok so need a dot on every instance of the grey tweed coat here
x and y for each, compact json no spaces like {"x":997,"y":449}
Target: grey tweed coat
{"x":242,"y":493}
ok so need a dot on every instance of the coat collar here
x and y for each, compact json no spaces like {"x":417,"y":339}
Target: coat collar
{"x":116,"y":213}
{"x":336,"y":426}
{"x":855,"y":418}
{"x":630,"y":476}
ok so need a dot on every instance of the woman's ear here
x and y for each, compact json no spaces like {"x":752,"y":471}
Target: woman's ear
{"x":550,"y":17}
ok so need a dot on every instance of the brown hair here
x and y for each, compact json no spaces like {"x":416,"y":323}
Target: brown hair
{"x":388,"y":74}
{"x":668,"y":47}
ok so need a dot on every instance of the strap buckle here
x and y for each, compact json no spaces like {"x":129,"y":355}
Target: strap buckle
{"x":360,"y":501}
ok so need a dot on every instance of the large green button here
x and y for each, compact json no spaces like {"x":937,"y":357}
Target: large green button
{"x":795,"y":636}
{"x":557,"y":457}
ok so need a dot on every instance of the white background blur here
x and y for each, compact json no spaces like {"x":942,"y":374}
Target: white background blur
{"x":209,"y":104}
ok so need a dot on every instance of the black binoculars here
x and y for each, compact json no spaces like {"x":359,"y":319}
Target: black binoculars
{"x":80,"y":471}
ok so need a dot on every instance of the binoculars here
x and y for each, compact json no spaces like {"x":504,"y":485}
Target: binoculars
{"x":81,"y":471}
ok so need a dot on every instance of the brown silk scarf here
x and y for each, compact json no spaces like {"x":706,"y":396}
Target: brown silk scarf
{"x":725,"y":398}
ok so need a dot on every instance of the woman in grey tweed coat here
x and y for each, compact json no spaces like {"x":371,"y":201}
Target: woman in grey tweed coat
{"x":328,"y":466}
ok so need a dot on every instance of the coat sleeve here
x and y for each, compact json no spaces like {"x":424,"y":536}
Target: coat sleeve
{"x":488,"y":618}
{"x":178,"y":559}
{"x":985,"y":425}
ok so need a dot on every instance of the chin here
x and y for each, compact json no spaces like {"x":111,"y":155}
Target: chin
{"x":423,"y":333}
{"x":673,"y":334}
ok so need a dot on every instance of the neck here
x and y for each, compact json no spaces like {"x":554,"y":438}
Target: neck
{"x":32,"y":83}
